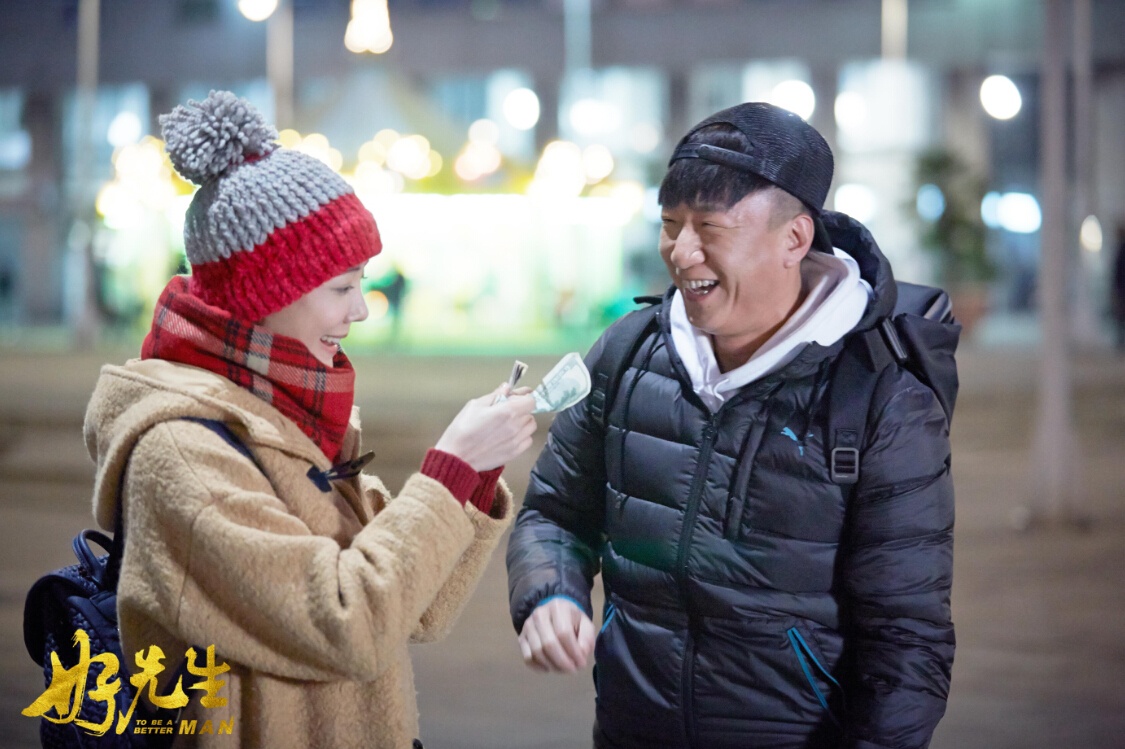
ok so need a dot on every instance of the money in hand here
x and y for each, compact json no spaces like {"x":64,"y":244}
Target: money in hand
{"x":566,"y":384}
{"x":517,"y":372}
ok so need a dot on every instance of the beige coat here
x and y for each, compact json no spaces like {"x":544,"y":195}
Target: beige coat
{"x":310,"y":597}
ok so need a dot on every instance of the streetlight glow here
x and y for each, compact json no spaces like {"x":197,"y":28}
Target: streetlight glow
{"x":597,"y":161}
{"x":858,"y":201}
{"x":1000,"y":97}
{"x":1091,"y":234}
{"x":257,"y":10}
{"x":369,"y":30}
{"x":796,"y":96}
{"x":591,"y":117}
{"x":850,"y":111}
{"x":124,"y":130}
{"x":521,"y":108}
{"x":484,"y":130}
{"x":1019,"y":213}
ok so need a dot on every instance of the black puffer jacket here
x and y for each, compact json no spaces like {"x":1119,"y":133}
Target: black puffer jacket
{"x":750,"y":601}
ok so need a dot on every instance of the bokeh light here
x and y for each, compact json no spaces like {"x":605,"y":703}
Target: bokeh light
{"x":1018,"y":212}
{"x":560,"y":172}
{"x":369,"y":29}
{"x":1000,"y":97}
{"x":858,"y":201}
{"x":125,"y":129}
{"x":796,"y":96}
{"x":1090,"y":235}
{"x":597,"y":162}
{"x":851,"y":111}
{"x":521,"y":108}
{"x":485,"y":131}
{"x":591,"y":117}
{"x":257,"y":10}
{"x":930,"y":202}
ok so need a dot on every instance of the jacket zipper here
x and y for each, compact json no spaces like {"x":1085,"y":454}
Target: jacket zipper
{"x":690,"y":513}
{"x":805,"y":654}
{"x":687,"y":679}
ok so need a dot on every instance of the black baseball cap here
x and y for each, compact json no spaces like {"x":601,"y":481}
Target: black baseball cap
{"x":784,"y":149}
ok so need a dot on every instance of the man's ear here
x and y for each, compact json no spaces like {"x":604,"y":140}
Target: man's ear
{"x":799,"y":237}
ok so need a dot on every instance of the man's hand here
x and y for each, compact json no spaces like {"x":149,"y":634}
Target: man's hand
{"x":558,"y":636}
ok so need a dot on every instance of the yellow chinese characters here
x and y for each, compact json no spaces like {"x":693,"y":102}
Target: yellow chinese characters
{"x":210,"y":684}
{"x":67,"y":689}
{"x":65,"y":693}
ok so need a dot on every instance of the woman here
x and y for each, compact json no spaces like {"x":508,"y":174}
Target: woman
{"x":267,"y":542}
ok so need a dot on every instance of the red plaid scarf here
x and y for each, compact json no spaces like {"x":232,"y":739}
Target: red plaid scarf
{"x":278,"y":369}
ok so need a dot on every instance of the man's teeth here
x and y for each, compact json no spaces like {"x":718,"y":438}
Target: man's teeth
{"x":330,"y":340}
{"x":700,"y":285}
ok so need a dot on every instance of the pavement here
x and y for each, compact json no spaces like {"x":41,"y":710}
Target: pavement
{"x":1039,"y":591}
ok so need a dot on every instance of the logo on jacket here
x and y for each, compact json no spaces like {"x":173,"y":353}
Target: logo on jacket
{"x":793,"y":436}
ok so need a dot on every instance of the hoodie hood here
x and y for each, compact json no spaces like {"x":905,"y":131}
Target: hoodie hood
{"x":854,"y":238}
{"x":852,"y":292}
{"x":129,"y":400}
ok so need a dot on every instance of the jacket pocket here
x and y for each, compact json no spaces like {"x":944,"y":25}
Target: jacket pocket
{"x":610,"y":611}
{"x":810,"y":665}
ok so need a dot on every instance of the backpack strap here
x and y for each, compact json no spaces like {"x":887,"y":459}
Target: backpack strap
{"x":620,"y":349}
{"x":117,"y":547}
{"x":852,"y":388}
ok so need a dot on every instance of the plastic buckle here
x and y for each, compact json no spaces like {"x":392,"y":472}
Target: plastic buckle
{"x":845,"y":465}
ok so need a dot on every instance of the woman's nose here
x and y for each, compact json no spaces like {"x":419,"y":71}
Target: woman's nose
{"x":358,"y":311}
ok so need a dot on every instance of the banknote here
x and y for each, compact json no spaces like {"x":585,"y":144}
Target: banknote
{"x":517,"y":372}
{"x":565,"y":385}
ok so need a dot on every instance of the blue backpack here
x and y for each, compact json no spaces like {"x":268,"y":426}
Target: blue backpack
{"x":84,"y":596}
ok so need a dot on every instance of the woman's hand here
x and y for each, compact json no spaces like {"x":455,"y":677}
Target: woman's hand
{"x":487,"y":435}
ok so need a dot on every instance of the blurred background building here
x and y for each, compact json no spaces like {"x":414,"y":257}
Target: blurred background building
{"x":511,"y":149}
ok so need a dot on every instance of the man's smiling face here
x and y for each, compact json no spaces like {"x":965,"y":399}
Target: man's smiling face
{"x":734,"y":267}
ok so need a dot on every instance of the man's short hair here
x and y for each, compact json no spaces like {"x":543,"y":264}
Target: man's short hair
{"x":747,"y":148}
{"x":706,"y":184}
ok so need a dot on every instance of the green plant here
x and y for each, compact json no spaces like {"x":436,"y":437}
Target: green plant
{"x":958,"y":237}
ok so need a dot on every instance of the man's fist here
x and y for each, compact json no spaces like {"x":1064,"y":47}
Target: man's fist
{"x":558,"y":636}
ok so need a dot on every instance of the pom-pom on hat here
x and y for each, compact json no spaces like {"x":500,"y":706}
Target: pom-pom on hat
{"x":268,"y":224}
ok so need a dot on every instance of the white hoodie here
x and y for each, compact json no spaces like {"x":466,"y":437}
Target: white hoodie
{"x":836,"y":301}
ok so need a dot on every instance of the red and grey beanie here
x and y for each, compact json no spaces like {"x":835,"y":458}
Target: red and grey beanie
{"x":268,"y":224}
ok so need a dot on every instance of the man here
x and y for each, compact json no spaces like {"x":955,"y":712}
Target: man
{"x":750,"y":600}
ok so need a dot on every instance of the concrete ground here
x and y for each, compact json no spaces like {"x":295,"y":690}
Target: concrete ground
{"x":1039,"y":608}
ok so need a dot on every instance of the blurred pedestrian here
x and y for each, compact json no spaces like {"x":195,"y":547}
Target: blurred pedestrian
{"x":751,"y":599}
{"x":267,"y":540}
{"x":1117,"y":291}
{"x":395,"y":291}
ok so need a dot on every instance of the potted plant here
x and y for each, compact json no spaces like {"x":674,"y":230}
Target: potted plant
{"x":954,"y":232}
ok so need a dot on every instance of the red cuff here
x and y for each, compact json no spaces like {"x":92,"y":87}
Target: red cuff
{"x":457,"y":475}
{"x":486,"y":491}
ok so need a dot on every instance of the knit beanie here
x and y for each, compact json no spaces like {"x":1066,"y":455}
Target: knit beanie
{"x":268,"y":224}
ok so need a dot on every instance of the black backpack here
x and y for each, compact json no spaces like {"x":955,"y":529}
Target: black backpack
{"x":84,"y":596}
{"x":920,"y":335}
